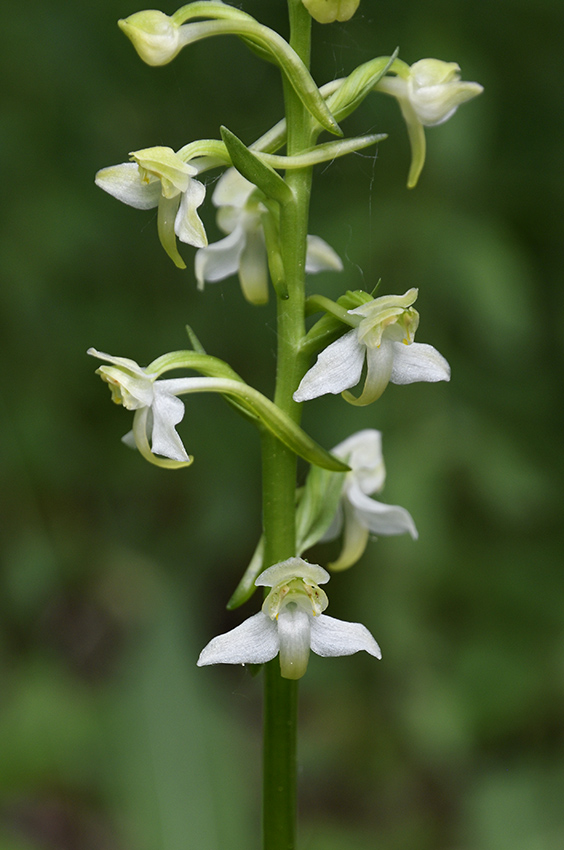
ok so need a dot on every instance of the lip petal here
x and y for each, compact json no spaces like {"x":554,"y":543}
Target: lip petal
{"x":294,"y":635}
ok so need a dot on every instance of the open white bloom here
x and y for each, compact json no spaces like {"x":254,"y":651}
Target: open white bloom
{"x":429,"y":93}
{"x":290,"y":623}
{"x":358,"y":515}
{"x":132,"y":387}
{"x":384,"y":339}
{"x":243,"y":251}
{"x":158,"y":177}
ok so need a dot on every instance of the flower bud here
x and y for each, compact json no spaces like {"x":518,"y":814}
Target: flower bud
{"x":327,"y":11}
{"x":154,"y":36}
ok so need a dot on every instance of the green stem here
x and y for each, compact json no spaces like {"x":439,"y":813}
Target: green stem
{"x":279,"y":463}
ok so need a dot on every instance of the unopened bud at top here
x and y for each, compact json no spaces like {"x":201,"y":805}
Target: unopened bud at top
{"x":154,"y":36}
{"x":327,"y":11}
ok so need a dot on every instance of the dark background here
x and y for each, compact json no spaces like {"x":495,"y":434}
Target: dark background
{"x":115,"y":573}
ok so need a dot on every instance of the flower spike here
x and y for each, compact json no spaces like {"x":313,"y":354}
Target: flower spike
{"x":290,"y":623}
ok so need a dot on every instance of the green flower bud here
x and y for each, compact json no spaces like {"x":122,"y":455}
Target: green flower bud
{"x":327,"y":11}
{"x":154,"y":36}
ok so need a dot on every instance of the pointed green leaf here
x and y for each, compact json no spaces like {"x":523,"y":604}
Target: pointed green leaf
{"x":196,"y":344}
{"x":255,"y":170}
{"x":359,"y":84}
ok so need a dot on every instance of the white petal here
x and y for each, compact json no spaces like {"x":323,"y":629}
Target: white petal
{"x":188,"y":226}
{"x":232,"y":189}
{"x":294,"y":637}
{"x":123,"y":362}
{"x":378,"y":517}
{"x":124,"y":183}
{"x":321,"y":257}
{"x":331,"y":637}
{"x":168,"y":411}
{"x":253,"y":268}
{"x":338,"y":367}
{"x":228,"y":218}
{"x":292,"y":568}
{"x":418,"y":362}
{"x":255,"y":641}
{"x":363,"y":453}
{"x":220,"y":259}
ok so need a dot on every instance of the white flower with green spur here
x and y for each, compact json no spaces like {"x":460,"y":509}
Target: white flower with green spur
{"x":358,"y":516}
{"x":290,"y":624}
{"x":158,"y":177}
{"x":136,"y":389}
{"x":383,"y":338}
{"x":428,"y":92}
{"x":243,"y":251}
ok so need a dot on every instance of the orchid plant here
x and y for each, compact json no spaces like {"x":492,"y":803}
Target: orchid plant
{"x":360,"y":339}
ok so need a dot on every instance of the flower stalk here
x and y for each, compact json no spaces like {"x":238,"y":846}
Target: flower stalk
{"x":279,"y":464}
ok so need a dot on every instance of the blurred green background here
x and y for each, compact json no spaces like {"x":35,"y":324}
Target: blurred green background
{"x":115,"y":574}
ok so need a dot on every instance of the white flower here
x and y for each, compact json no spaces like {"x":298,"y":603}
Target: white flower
{"x":433,"y":88}
{"x":135,"y":389}
{"x":358,"y":515}
{"x":243,"y":251}
{"x":290,"y":623}
{"x":429,"y":93}
{"x":384,"y":338}
{"x":158,"y":177}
